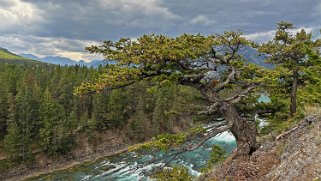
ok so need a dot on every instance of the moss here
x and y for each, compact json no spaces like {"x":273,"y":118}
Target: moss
{"x":280,"y":149}
{"x":166,"y":141}
{"x":318,"y":141}
{"x":177,"y":173}
{"x":316,"y":179}
{"x":6,"y":164}
{"x":218,"y":155}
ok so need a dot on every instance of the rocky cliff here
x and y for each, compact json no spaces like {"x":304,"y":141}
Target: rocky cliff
{"x":292,"y":155}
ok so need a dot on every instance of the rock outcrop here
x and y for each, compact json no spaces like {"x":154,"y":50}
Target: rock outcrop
{"x":292,"y":155}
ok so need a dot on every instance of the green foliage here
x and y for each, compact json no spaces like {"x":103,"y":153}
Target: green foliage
{"x":12,"y":140}
{"x":218,"y":155}
{"x":140,"y":119}
{"x":34,"y":109}
{"x":196,"y":130}
{"x":8,"y":57}
{"x":160,"y":84}
{"x":4,"y":54}
{"x":100,"y":112}
{"x":167,"y":141}
{"x":117,"y":104}
{"x":40,"y":112}
{"x":177,"y":173}
{"x":162,"y":108}
{"x":310,"y":93}
{"x":161,"y":142}
{"x":6,"y":164}
{"x":145,"y":57}
{"x":294,"y":56}
{"x":54,"y":137}
{"x":3,"y":110}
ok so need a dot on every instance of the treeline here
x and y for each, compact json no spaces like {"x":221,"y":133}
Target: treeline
{"x":39,"y":112}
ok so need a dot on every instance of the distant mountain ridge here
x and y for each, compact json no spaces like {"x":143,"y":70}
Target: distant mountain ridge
{"x":247,"y":52}
{"x":11,"y":58}
{"x":250,"y":54}
{"x":63,"y":61}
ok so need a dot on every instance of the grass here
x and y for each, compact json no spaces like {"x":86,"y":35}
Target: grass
{"x":309,"y":109}
{"x":4,"y":54}
{"x":5,"y":165}
{"x":11,"y":58}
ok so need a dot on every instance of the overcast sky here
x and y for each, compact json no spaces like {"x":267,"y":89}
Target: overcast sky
{"x":66,"y":27}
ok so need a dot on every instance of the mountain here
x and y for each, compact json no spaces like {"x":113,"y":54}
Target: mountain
{"x":58,"y":60}
{"x":11,"y":58}
{"x":63,"y":61}
{"x":249,"y":53}
{"x":29,"y":56}
{"x":254,"y":56}
{"x":53,"y":60}
{"x":97,"y":63}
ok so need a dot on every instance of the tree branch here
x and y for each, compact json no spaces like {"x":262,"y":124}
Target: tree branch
{"x":221,"y":86}
{"x":211,"y":134}
{"x":191,"y":80}
{"x":238,"y":97}
{"x":106,"y":89}
{"x":211,"y":109}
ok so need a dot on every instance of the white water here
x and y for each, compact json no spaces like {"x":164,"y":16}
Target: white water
{"x":132,"y":166}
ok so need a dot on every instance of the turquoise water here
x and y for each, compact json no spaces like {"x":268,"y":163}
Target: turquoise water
{"x":264,"y":98}
{"x":133,"y":166}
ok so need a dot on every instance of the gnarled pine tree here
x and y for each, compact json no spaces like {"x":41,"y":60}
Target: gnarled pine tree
{"x":210,"y":64}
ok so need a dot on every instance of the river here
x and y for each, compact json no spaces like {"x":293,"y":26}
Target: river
{"x":132,"y":166}
{"x":135,"y":167}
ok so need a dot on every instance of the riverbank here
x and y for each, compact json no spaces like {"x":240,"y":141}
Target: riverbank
{"x":105,"y":144}
{"x":27,"y":174}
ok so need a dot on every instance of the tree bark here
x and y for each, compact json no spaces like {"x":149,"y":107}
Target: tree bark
{"x":293,"y":92}
{"x":244,"y":131}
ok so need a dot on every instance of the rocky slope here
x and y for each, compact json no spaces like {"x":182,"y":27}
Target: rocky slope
{"x":292,"y":155}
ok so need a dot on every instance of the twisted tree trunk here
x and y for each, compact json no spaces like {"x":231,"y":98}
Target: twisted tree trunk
{"x":244,"y":131}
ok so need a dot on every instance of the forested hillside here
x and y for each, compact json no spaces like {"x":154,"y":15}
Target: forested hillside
{"x":160,"y":85}
{"x":11,"y":58}
{"x":215,"y":67}
{"x":40,"y":114}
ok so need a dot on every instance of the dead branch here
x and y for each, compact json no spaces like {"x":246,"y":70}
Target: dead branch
{"x":210,"y":135}
{"x":211,"y":109}
{"x":238,"y":97}
{"x":222,"y":85}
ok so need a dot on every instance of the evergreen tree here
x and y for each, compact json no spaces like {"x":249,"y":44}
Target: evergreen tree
{"x":164,"y":102}
{"x":100,"y":108}
{"x":3,"y":111}
{"x":140,"y":120}
{"x":290,"y":52}
{"x":51,"y":131}
{"x":27,"y":106}
{"x":117,"y":108}
{"x":12,"y":141}
{"x":189,"y":60}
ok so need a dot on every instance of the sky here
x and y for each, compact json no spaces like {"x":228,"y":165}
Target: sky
{"x":66,"y":27}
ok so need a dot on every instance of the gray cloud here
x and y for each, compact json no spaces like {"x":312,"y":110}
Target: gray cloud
{"x":201,"y":20}
{"x":64,"y":27}
{"x":44,"y":46}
